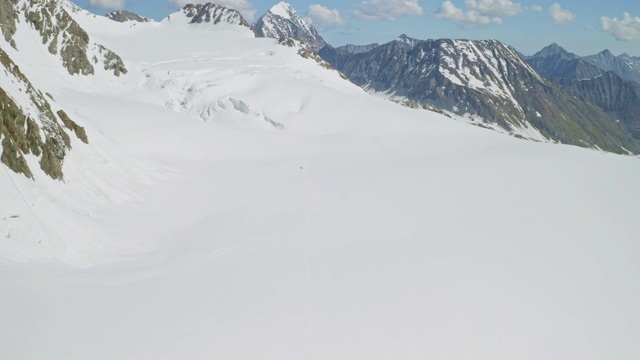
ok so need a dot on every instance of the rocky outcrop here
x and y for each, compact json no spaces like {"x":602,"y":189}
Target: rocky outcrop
{"x":65,"y":37}
{"x":125,"y":16}
{"x":282,"y":21}
{"x":8,"y":19}
{"x":214,"y":14}
{"x":305,"y":51}
{"x":487,"y":82}
{"x":32,"y":128}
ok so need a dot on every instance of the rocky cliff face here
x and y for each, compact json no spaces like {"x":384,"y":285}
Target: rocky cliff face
{"x":282,"y":21}
{"x":214,"y":14}
{"x":63,"y":36}
{"x":32,"y":124}
{"x":124,"y":16}
{"x":614,"y":95}
{"x":485,"y":81}
{"x":606,"y":89}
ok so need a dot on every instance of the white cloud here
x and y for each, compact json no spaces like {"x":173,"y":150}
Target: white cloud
{"x":495,"y":7}
{"x":561,"y":16}
{"x":325,"y":16}
{"x":245,"y":7}
{"x":108,"y":4}
{"x":387,"y":9}
{"x":479,"y":11}
{"x":536,"y":8}
{"x":626,"y":29}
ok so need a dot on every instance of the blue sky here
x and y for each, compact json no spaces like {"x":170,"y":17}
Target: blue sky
{"x":581,"y":26}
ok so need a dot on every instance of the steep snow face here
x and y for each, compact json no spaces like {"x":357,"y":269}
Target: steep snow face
{"x":283,"y":21}
{"x":284,"y":10}
{"x":358,"y":229}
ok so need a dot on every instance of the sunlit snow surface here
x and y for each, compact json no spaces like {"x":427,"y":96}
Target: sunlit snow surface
{"x":192,"y":227}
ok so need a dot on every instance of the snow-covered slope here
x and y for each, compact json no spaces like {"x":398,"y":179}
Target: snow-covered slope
{"x":283,"y":21}
{"x":304,"y":219}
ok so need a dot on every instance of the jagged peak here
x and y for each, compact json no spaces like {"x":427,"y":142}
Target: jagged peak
{"x":282,"y":20}
{"x":284,"y":10}
{"x":606,"y":53}
{"x":554,"y":49}
{"x":213,"y":13}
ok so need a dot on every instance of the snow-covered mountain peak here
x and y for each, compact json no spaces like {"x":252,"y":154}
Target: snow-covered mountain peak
{"x":407,"y":40}
{"x":211,"y":13}
{"x":284,"y":10}
{"x":283,"y":21}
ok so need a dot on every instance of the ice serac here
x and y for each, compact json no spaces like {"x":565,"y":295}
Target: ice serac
{"x":487,"y":82}
{"x":211,"y":13}
{"x":282,"y":21}
{"x":125,"y":16}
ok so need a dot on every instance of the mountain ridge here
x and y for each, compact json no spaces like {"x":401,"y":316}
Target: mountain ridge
{"x":283,"y":21}
{"x":484,"y":79}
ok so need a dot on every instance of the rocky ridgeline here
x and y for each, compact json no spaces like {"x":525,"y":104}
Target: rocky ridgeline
{"x":486,"y":81}
{"x":21,"y":134}
{"x":126,"y":16}
{"x":64,"y":36}
{"x":604,"y":87}
{"x":214,"y":14}
{"x":34,"y":124}
{"x":282,"y":21}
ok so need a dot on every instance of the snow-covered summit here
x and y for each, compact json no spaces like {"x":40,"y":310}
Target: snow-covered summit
{"x":283,"y":21}
{"x":284,"y":10}
{"x":208,"y":13}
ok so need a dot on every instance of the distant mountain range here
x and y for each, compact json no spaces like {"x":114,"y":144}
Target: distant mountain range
{"x":554,"y":95}
{"x":487,"y":82}
{"x":603,"y":79}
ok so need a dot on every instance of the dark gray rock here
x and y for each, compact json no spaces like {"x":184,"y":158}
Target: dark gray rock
{"x":628,"y":69}
{"x":484,"y":80}
{"x":606,"y":89}
{"x":555,"y":62}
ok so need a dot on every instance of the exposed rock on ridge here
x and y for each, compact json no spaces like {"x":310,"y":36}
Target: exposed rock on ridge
{"x":282,"y":21}
{"x":486,"y":81}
